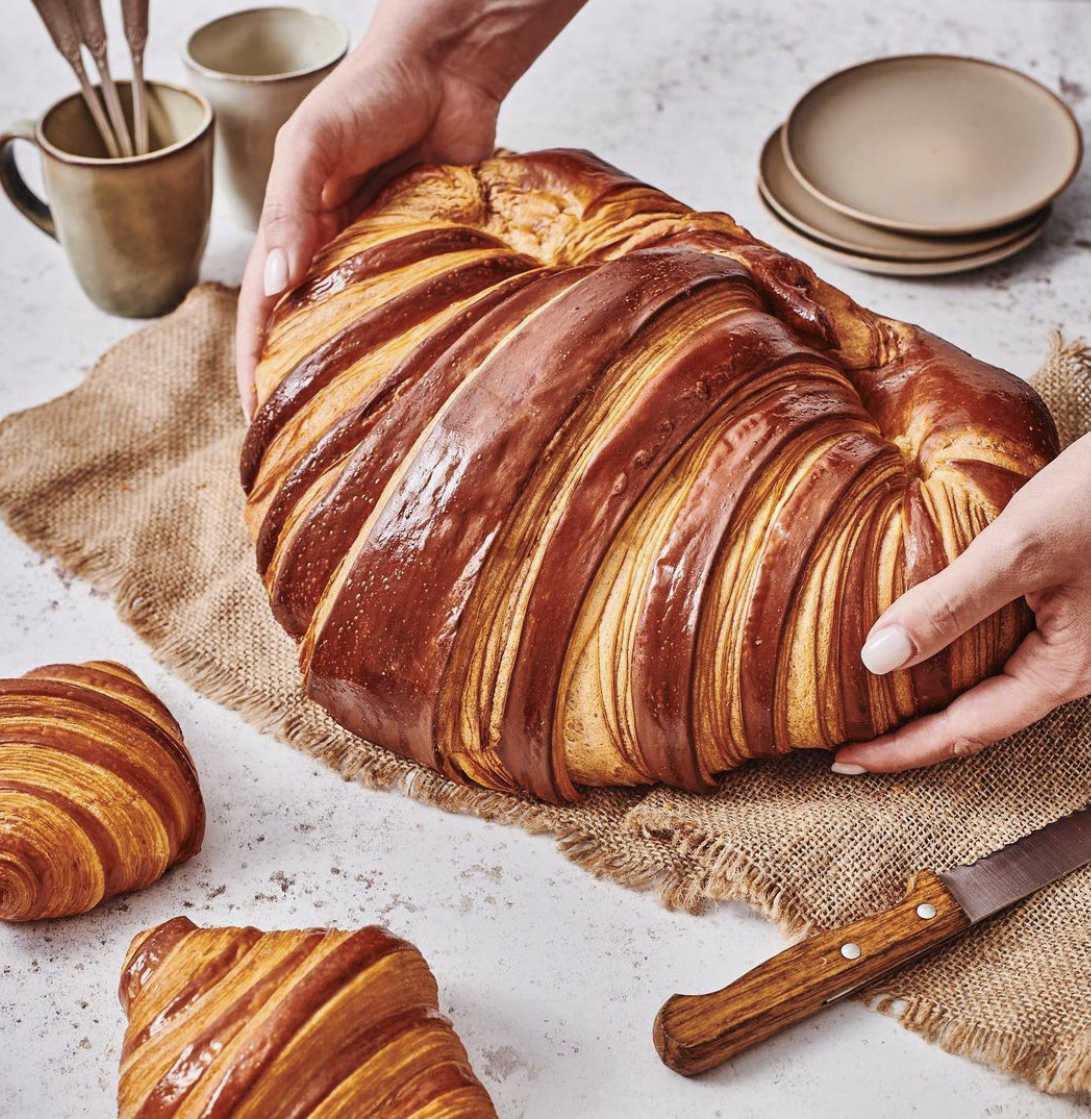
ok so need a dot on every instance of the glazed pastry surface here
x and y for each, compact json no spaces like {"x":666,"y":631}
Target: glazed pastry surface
{"x":310,"y":1024}
{"x":558,"y":482}
{"x":98,"y":793}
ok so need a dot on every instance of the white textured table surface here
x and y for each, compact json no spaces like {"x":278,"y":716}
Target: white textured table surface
{"x":552,"y":978}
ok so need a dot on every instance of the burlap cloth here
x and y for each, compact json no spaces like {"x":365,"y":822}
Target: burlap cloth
{"x":131,"y":481}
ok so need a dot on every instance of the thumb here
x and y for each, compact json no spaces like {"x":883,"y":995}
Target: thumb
{"x":997,"y":568}
{"x":293,"y":214}
{"x":290,"y":230}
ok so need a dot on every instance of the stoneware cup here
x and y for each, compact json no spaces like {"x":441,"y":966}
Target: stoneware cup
{"x":134,"y":228}
{"x":255,"y":67}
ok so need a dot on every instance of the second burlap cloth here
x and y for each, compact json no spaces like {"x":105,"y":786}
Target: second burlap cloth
{"x":132,"y":481}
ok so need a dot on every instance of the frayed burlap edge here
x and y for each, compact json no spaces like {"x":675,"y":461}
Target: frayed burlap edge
{"x":1058,"y":1074}
{"x":684,"y":870}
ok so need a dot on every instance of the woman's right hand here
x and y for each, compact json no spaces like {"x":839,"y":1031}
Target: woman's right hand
{"x":425,"y":83}
{"x":1037,"y":548}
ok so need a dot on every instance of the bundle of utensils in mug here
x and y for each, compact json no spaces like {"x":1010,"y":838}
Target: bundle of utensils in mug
{"x":128,"y":165}
{"x":76,"y":24}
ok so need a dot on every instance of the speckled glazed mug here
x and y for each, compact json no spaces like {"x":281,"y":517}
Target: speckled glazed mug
{"x":134,"y":228}
{"x":255,"y":67}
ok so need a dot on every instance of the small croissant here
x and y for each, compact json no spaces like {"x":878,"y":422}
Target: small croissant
{"x":98,"y":793}
{"x":309,"y":1024}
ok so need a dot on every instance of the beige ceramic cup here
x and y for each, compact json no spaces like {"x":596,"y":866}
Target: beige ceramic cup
{"x":255,"y":67}
{"x":134,"y":228}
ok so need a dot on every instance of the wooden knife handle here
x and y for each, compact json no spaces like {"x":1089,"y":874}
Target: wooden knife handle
{"x":694,"y":1033}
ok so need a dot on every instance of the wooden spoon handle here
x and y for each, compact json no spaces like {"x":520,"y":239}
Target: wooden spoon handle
{"x":92,"y":25}
{"x":694,"y":1033}
{"x":61,"y":25}
{"x":134,"y":15}
{"x":93,"y":32}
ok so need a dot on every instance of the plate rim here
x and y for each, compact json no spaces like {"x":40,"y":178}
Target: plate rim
{"x":784,"y":210}
{"x":907,"y":269}
{"x":914,"y":227}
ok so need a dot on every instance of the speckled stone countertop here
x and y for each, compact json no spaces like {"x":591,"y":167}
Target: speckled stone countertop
{"x":552,"y":978}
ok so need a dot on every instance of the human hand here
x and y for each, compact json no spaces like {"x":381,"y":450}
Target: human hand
{"x":1039,"y":547}
{"x":425,"y":83}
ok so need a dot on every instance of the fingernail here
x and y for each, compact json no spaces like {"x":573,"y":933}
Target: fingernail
{"x":848,"y":769}
{"x":890,"y":648}
{"x":276,"y":272}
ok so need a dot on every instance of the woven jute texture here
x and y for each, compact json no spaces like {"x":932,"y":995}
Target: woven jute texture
{"x":131,"y":481}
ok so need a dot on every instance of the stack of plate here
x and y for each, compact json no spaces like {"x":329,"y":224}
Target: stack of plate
{"x":920,"y":164}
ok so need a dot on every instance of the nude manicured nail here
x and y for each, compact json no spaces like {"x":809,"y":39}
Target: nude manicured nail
{"x":888,"y":649}
{"x":276,"y":272}
{"x":848,"y":769}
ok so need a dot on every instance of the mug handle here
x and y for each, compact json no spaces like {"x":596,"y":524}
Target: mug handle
{"x":15,"y":187}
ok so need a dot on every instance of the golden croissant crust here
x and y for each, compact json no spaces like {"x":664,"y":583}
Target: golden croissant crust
{"x":557,"y":481}
{"x":98,"y":794}
{"x":312,"y":1024}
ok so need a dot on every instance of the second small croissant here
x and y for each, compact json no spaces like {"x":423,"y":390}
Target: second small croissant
{"x":303,"y":1024}
{"x":98,"y":793}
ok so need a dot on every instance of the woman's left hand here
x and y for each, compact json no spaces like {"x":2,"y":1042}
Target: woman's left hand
{"x":1040,"y":548}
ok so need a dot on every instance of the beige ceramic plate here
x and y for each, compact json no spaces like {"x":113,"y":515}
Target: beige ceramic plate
{"x":933,"y":144}
{"x":797,"y":205}
{"x":886,"y":267}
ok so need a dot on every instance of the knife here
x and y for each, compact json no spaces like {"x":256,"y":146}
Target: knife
{"x":694,"y":1033}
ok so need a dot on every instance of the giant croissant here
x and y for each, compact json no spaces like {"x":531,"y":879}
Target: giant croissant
{"x":98,"y":794}
{"x":558,"y":482}
{"x":314,"y":1024}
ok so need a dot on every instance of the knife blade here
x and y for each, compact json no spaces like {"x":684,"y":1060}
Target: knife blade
{"x":694,"y":1033}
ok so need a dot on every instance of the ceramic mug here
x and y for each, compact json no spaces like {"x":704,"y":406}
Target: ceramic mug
{"x":134,"y":228}
{"x":255,"y":67}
